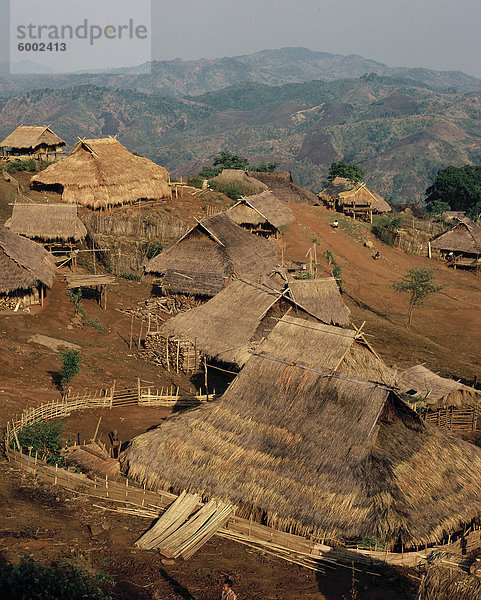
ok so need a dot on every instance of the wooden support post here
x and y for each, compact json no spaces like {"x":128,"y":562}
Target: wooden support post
{"x":177,"y":358}
{"x":205,"y":376}
{"x":131,"y":330}
{"x":167,"y":353}
{"x":140,"y":332}
{"x":97,"y":429}
{"x":112,"y":394}
{"x":41,"y":295}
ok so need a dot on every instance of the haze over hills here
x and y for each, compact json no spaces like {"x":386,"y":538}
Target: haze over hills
{"x":271,"y":67}
{"x":400,"y":131}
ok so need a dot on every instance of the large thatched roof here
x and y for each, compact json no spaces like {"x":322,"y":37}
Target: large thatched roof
{"x":446,"y":581}
{"x":435,"y":391}
{"x":261,"y":209}
{"x":28,"y":137}
{"x":203,"y":260}
{"x":346,"y":191}
{"x":100,"y":173}
{"x":233,"y":322}
{"x":47,"y":222}
{"x":465,"y":237}
{"x":321,"y":298}
{"x":284,"y":188}
{"x":338,"y":455}
{"x":23,"y":264}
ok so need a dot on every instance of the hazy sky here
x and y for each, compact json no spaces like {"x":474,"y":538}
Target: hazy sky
{"x":438,"y":34}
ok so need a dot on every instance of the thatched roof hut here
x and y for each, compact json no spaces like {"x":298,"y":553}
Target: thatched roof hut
{"x":233,"y":322}
{"x":24,"y":264}
{"x":205,"y":258}
{"x":436,"y":391}
{"x":27,"y":140}
{"x":355,"y":197}
{"x":47,"y":222}
{"x":228,"y":175}
{"x":321,"y":298}
{"x":262,"y":213}
{"x":310,"y":439}
{"x":283,"y":186}
{"x":101,"y":173}
{"x":464,"y":239}
{"x":444,"y":581}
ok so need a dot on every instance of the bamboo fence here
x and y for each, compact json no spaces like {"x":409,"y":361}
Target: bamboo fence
{"x":130,"y":499}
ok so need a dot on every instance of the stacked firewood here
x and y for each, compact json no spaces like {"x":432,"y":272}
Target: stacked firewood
{"x":183,"y":302}
{"x":171,"y":353}
{"x":10,"y":303}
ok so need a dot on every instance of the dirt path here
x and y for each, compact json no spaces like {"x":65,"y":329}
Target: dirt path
{"x":446,"y":332}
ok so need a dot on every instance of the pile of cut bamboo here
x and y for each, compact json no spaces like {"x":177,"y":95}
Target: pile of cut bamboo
{"x":179,"y":533}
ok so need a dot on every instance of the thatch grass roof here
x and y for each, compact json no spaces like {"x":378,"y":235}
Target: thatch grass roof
{"x":261,"y":209}
{"x":281,"y":183}
{"x":229,"y":324}
{"x":443,"y":582}
{"x":47,"y":222}
{"x":346,"y":191}
{"x":24,"y":264}
{"x":436,"y":391}
{"x":465,"y":237}
{"x":321,"y":298}
{"x":228,"y":175}
{"x":28,"y":137}
{"x":309,"y":438}
{"x":100,"y":173}
{"x":204,"y":259}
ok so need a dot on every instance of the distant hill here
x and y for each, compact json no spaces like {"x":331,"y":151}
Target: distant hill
{"x":400,"y":131}
{"x":270,"y":67}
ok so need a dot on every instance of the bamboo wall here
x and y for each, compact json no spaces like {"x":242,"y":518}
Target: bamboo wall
{"x":459,"y":420}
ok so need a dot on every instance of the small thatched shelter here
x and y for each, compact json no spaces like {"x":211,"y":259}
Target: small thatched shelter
{"x":36,"y":142}
{"x":263,"y":214}
{"x":47,"y":222}
{"x":26,"y":269}
{"x":234,"y":322}
{"x":101,"y":173}
{"x":283,"y":186}
{"x":442,"y":401}
{"x":444,"y":580}
{"x":321,"y":298}
{"x":229,"y":175}
{"x":354,"y":199}
{"x":310,"y":438}
{"x":463,"y":241}
{"x":204,"y":259}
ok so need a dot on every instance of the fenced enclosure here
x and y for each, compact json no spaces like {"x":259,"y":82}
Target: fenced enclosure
{"x":156,"y":227}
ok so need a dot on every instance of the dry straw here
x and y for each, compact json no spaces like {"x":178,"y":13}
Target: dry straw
{"x":100,"y":173}
{"x":47,"y":222}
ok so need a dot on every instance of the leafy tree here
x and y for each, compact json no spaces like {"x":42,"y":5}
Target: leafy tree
{"x":458,"y":187}
{"x":264,"y":167}
{"x":227,"y":160}
{"x":348,"y":170}
{"x":438,"y":207}
{"x":419,"y":284}
{"x":70,"y":360}
{"x":44,"y":438}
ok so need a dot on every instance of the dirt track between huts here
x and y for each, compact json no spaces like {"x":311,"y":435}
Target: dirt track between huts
{"x":49,"y":523}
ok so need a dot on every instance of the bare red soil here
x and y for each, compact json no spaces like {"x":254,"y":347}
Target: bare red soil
{"x":48,"y":523}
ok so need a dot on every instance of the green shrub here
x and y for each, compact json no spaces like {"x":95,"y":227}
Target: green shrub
{"x":44,"y":438}
{"x":233,"y":189}
{"x":70,"y":360}
{"x":30,"y":164}
{"x":197,"y":181}
{"x":130,"y":276}
{"x":95,"y":323}
{"x":150,"y":249}
{"x":386,"y":229}
{"x":65,"y":580}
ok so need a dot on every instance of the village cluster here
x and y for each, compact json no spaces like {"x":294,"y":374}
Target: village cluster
{"x":314,"y":443}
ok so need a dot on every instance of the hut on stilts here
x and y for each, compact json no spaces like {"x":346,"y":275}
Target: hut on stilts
{"x":235,"y":321}
{"x":311,"y":438}
{"x":102,"y":173}
{"x":26,"y":270}
{"x":444,"y":402}
{"x":262,"y":214}
{"x":354,"y":199}
{"x":202,"y":262}
{"x":26,"y":141}
{"x":57,"y":226}
{"x":461,"y":246}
